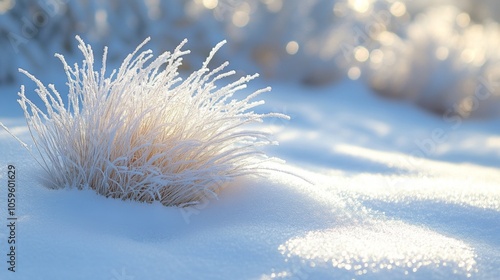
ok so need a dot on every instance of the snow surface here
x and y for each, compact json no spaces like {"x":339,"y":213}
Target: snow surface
{"x":394,"y":193}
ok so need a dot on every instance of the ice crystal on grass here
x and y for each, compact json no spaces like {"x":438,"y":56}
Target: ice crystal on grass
{"x":143,"y":133}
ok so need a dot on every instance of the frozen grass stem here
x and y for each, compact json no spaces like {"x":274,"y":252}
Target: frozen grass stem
{"x":143,"y":133}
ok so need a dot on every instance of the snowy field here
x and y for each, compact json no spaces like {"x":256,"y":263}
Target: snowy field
{"x":394,"y":193}
{"x":373,"y":185}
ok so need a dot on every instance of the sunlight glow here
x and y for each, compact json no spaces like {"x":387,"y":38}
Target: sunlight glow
{"x":361,"y":6}
{"x":468,"y":55}
{"x":241,"y":18}
{"x":354,"y":73}
{"x":6,"y":5}
{"x":398,"y":9}
{"x":292,"y":47}
{"x":386,"y":38}
{"x":361,"y":54}
{"x":210,"y":4}
{"x":376,"y":56}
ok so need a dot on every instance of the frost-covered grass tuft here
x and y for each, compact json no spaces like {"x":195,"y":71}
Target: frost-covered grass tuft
{"x":143,"y":133}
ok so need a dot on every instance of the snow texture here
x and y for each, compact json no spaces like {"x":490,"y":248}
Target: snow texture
{"x":391,"y":192}
{"x":387,"y":202}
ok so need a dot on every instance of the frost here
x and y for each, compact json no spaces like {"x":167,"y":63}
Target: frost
{"x":143,"y":133}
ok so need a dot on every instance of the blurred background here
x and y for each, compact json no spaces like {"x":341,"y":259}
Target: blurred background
{"x":440,"y":55}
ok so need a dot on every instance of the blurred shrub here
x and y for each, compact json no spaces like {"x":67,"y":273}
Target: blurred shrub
{"x":439,"y":54}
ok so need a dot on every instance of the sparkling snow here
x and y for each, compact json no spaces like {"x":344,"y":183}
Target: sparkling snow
{"x":368,"y":203}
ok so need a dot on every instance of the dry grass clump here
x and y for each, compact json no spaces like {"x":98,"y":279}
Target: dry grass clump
{"x":143,"y":133}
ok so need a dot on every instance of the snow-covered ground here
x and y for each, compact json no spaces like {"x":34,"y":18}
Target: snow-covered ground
{"x":393,"y":193}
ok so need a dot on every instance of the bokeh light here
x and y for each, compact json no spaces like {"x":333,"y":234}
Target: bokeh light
{"x":6,"y":5}
{"x":292,"y":47}
{"x":398,"y":45}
